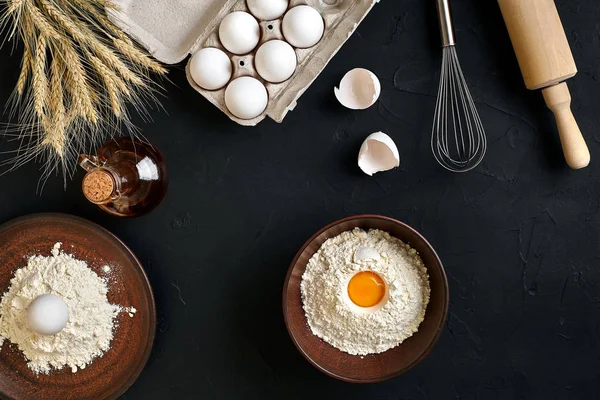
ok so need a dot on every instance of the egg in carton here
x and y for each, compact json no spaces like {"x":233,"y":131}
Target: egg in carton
{"x":173,"y":29}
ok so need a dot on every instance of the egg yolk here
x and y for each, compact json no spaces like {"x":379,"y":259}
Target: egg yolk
{"x":366,"y":289}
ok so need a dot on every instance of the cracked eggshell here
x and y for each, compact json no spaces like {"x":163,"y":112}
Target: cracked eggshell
{"x":378,"y":153}
{"x":364,"y":254}
{"x":359,"y":89}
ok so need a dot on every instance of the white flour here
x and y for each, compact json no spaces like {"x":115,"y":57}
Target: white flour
{"x":334,"y":318}
{"x":89,"y":330}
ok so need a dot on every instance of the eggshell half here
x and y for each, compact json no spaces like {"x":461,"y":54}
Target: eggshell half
{"x":364,"y":254}
{"x":378,"y":153}
{"x":359,"y":89}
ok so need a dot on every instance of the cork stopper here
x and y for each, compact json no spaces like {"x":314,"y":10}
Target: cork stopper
{"x":98,"y":186}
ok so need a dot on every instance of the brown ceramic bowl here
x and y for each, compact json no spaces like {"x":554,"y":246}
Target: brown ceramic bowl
{"x":377,"y":367}
{"x":106,"y":377}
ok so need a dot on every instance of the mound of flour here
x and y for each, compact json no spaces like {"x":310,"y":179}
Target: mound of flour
{"x":334,"y":318}
{"x":89,"y":330}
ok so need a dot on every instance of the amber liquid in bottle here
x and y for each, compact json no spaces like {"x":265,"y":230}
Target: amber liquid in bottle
{"x":126,"y":177}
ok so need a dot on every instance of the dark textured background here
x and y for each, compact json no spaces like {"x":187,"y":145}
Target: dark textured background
{"x":519,"y":235}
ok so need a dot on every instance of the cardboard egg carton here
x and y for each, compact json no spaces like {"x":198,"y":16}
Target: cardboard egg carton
{"x":173,"y":29}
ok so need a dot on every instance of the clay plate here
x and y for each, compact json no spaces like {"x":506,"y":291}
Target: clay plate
{"x":372,"y":368}
{"x":111,"y":375}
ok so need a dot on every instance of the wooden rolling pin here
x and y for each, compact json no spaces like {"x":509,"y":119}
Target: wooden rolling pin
{"x":546,"y":62}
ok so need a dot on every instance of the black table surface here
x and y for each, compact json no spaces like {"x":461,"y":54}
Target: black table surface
{"x":519,"y":235}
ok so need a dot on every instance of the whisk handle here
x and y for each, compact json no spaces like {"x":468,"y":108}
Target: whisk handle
{"x":558,"y":100}
{"x":446,"y":25}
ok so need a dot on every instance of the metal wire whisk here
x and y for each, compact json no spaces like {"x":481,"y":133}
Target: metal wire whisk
{"x":458,"y":138}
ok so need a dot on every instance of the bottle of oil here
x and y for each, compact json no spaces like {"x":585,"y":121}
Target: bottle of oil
{"x":126,"y":177}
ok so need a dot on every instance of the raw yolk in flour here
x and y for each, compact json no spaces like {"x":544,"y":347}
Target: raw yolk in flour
{"x":366,"y":289}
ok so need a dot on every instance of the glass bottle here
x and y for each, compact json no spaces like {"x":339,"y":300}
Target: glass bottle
{"x":126,"y":177}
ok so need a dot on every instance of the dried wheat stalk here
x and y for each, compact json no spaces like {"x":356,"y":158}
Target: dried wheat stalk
{"x":79,"y":73}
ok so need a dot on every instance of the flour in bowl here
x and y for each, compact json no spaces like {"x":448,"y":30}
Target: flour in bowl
{"x":90,"y":327}
{"x":332,"y":309}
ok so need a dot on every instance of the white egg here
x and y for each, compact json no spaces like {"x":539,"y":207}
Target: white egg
{"x":210,"y":68}
{"x":239,"y":32}
{"x":267,"y":9}
{"x":246,"y":97}
{"x":47,"y":314}
{"x":275,"y":61}
{"x":303,"y":26}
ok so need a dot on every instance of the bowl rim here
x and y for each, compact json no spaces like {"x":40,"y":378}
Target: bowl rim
{"x":439,"y":330}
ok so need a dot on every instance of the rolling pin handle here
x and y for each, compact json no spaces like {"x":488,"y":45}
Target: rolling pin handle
{"x":558,"y":100}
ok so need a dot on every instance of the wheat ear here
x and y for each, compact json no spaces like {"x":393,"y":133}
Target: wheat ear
{"x":40,"y":80}
{"x":120,"y":40}
{"x":115,"y":86}
{"x":113,"y":61}
{"x":25,"y":69}
{"x":41,"y":23}
{"x":55,"y":136}
{"x":80,"y":90}
{"x":84,"y":35}
{"x":15,"y":6}
{"x":128,"y":49}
